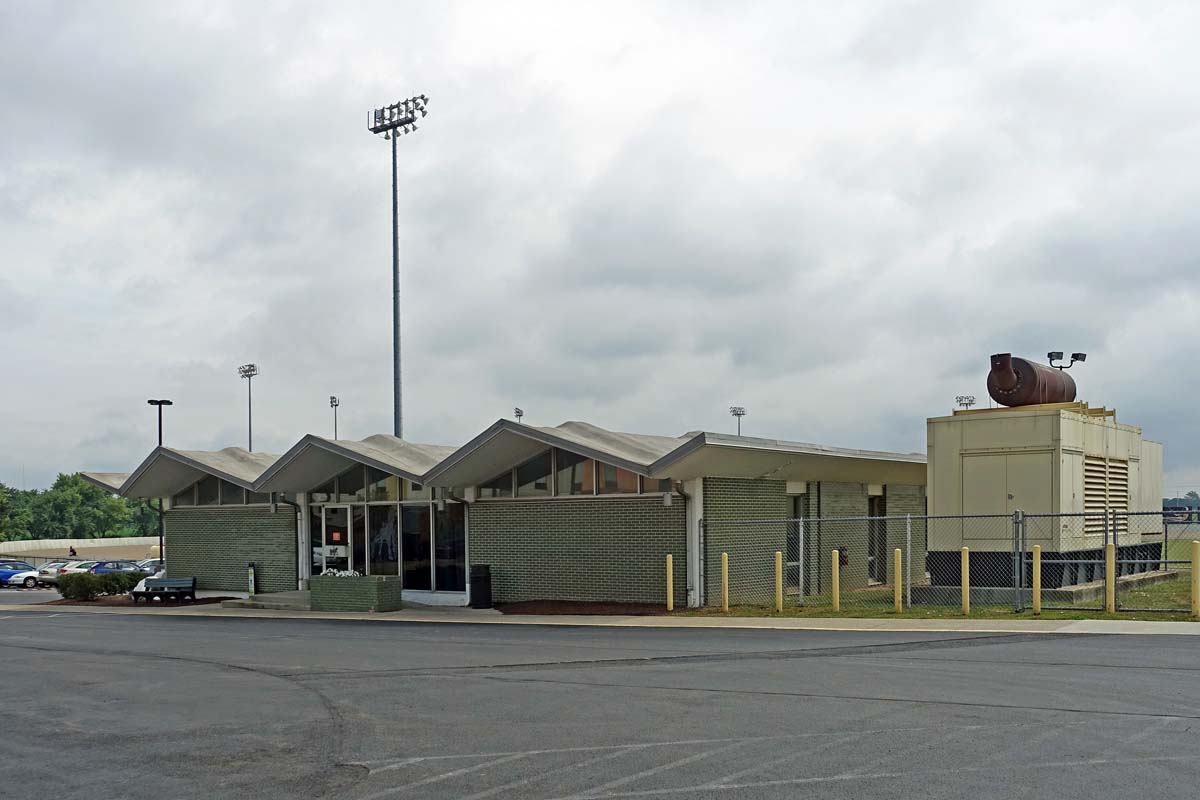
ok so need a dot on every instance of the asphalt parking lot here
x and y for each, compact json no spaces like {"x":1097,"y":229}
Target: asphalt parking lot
{"x":10,"y":596}
{"x":203,"y":707}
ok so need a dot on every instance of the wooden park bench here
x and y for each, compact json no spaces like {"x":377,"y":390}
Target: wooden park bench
{"x":166,"y":588}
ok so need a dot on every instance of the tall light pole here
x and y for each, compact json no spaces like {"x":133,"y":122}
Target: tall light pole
{"x":392,"y":121}
{"x":518,"y":413}
{"x":334,"y":403}
{"x":739,"y":412}
{"x":162,"y":554}
{"x":248,"y":371}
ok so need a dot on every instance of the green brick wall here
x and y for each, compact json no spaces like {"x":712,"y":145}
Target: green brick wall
{"x":901,"y":501}
{"x":215,"y":545}
{"x":732,"y":507}
{"x":611,"y":550}
{"x":367,"y":593}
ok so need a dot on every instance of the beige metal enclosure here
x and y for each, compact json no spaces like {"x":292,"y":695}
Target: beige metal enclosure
{"x":1061,"y":458}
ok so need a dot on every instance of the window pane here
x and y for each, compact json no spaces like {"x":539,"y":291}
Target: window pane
{"x":414,"y":546}
{"x":575,"y":473}
{"x":450,"y":545}
{"x":416,"y":491}
{"x":185,"y":498}
{"x":385,"y":545}
{"x":208,"y":491}
{"x":652,"y":485}
{"x":612,"y":480}
{"x":500,"y":486}
{"x":322,"y":494}
{"x":232,"y":494}
{"x":533,"y":477}
{"x":382,"y":486}
{"x":351,"y":485}
{"x":315,"y":542}
{"x":358,"y":539}
{"x":258,"y":497}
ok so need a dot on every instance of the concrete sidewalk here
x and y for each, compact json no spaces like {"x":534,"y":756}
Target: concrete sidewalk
{"x":433,"y":614}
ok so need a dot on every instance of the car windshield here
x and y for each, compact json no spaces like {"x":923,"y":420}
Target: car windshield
{"x":85,"y":564}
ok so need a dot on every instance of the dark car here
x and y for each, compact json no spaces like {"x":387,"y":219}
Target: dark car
{"x":101,"y":567}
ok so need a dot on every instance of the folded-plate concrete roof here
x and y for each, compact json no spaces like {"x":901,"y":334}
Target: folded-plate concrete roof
{"x":315,"y":460}
{"x":108,"y":481}
{"x":167,"y":471}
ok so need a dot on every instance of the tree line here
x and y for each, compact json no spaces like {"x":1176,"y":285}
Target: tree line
{"x":72,"y":508}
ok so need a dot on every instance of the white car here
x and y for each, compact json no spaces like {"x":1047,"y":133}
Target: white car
{"x":28,"y":579}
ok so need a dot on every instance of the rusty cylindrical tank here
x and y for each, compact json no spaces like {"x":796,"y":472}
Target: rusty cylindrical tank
{"x":1020,"y":382}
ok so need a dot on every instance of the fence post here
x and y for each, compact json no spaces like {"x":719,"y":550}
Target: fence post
{"x":908,"y":559}
{"x":1018,"y":561}
{"x":1037,"y":580}
{"x":725,"y":582}
{"x":1195,"y":578}
{"x":670,"y":584}
{"x":897,"y":569}
{"x":966,"y":581}
{"x":778,"y":581}
{"x":835,"y":580}
{"x":1110,"y":578}
{"x":803,"y":565}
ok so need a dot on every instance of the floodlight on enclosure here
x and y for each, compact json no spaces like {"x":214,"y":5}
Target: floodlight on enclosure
{"x":739,"y":412}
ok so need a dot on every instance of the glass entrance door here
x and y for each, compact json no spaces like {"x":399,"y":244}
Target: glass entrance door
{"x":336,"y":526}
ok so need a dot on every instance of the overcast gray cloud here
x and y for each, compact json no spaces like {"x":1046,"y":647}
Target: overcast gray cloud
{"x":631,"y":213}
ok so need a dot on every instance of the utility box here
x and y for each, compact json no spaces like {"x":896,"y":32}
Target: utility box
{"x":1056,"y":459}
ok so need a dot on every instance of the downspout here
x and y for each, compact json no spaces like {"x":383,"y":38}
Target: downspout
{"x":279,"y":498}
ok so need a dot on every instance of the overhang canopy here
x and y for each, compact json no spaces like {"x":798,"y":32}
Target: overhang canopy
{"x":505,"y":444}
{"x":108,"y":481}
{"x":315,"y":460}
{"x":720,"y":455}
{"x":166,"y":471}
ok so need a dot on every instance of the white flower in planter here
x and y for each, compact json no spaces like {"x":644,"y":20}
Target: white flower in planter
{"x":341,"y":573}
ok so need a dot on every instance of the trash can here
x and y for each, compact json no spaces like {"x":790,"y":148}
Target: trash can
{"x":481,"y":586}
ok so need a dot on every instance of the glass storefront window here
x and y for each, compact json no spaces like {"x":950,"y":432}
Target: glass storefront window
{"x":383,"y":541}
{"x":382,"y":486}
{"x":358,"y":538}
{"x":322,"y":494}
{"x":500,"y":486}
{"x":315,"y":541}
{"x":415,"y":546}
{"x":450,"y":548}
{"x":654,"y":485}
{"x":351,"y":485}
{"x":232,"y":494}
{"x":208,"y":491}
{"x":533,"y":477}
{"x":337,"y":538}
{"x":613,"y":480}
{"x":416,"y":491}
{"x":185,"y":498}
{"x":575,"y":474}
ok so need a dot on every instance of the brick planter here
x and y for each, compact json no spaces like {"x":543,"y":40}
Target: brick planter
{"x":365,"y":593}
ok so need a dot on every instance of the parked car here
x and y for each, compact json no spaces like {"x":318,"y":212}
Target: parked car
{"x":75,"y":566}
{"x":11,"y":568}
{"x":27,"y":579}
{"x":101,"y":567}
{"x":48,"y":572}
{"x":151,"y":566}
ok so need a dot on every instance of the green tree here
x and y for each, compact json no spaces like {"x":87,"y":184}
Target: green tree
{"x":1192,"y":495}
{"x":143,"y":520}
{"x":74,"y":509}
{"x":16,"y":515}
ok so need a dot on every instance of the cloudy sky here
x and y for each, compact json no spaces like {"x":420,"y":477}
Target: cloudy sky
{"x":634,"y":214}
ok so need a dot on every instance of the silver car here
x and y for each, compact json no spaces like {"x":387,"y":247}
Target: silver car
{"x":48,"y":572}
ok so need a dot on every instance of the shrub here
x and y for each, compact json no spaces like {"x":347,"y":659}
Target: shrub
{"x":87,"y":586}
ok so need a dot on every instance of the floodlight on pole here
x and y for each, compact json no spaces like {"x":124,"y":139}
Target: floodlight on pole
{"x":739,"y":412}
{"x":248,"y":371}
{"x":518,"y":413}
{"x":334,"y":403}
{"x":1057,"y":355}
{"x":394,"y":121}
{"x":965,"y":400}
{"x":160,"y":403}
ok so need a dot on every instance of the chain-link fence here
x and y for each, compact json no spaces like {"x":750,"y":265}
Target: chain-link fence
{"x":980,"y":561}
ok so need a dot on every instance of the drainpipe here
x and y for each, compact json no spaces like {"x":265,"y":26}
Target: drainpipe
{"x":279,"y":498}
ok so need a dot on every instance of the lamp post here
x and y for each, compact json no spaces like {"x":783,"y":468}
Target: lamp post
{"x":1056,"y":355}
{"x":162,"y":553}
{"x":334,"y":403}
{"x":518,"y":413}
{"x":392,"y":121}
{"x":248,"y":371}
{"x":965,"y":401}
{"x":739,"y":412}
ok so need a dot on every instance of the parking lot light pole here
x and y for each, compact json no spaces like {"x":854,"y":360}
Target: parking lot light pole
{"x":160,"y":404}
{"x":248,"y":371}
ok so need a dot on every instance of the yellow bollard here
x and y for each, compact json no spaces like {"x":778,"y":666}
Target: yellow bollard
{"x":1110,"y":578}
{"x":1195,"y":578}
{"x":897,"y":583}
{"x":835,"y":583}
{"x":966,"y":581}
{"x":1037,"y":580}
{"x":670,"y":584}
{"x":725,"y":582}
{"x":778,"y":582}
